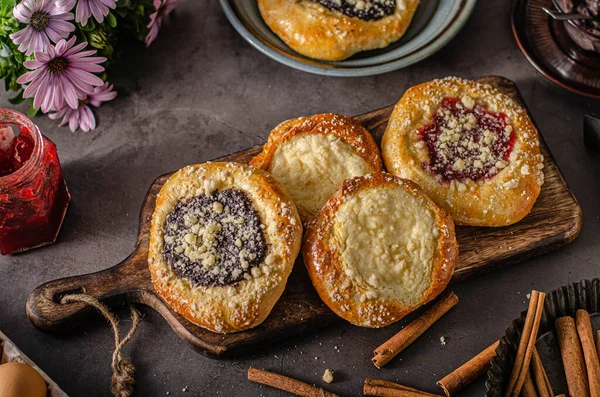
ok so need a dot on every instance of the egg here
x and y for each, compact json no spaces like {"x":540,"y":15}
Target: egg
{"x":21,"y":380}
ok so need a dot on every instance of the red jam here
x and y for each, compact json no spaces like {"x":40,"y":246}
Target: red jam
{"x":466,"y":142}
{"x":17,"y":154}
{"x":33,"y":194}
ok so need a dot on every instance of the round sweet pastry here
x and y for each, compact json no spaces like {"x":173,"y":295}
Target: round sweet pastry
{"x":223,"y":240}
{"x":333,"y":30}
{"x":471,"y":148}
{"x":379,"y":249}
{"x":312,"y":156}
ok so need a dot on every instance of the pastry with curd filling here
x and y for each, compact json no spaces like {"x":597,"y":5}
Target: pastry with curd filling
{"x":312,"y":156}
{"x":379,"y":249}
{"x":333,"y":30}
{"x":223,"y":240}
{"x":471,"y":148}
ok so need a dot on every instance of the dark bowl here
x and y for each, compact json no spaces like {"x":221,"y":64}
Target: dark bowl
{"x":564,"y":301}
{"x":581,"y":36}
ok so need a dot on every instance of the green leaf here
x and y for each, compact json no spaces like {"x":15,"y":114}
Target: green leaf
{"x":32,"y":112}
{"x":16,"y":100}
{"x":89,"y":26}
{"x":123,"y":3}
{"x":112,"y":21}
{"x":5,"y":51}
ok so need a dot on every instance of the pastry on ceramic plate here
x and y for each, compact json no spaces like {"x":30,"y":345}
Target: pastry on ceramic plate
{"x":223,"y":241}
{"x":333,"y":30}
{"x":379,"y":249}
{"x":312,"y":156}
{"x":471,"y":148}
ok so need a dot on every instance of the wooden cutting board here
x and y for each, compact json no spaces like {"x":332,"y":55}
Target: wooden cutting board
{"x":554,"y":221}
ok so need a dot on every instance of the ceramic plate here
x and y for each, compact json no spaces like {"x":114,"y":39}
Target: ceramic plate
{"x":548,"y":47}
{"x":434,"y":24}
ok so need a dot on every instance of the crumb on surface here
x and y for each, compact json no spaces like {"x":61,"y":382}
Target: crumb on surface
{"x":443,"y":341}
{"x":328,"y":376}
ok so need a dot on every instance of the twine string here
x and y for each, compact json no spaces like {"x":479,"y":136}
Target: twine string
{"x":123,"y":378}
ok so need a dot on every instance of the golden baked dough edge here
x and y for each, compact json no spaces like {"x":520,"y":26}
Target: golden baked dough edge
{"x":343,"y":127}
{"x":499,"y":201}
{"x":313,"y":30}
{"x":331,"y":282}
{"x":209,"y":307}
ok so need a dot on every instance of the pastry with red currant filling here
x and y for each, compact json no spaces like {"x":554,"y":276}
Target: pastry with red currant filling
{"x":471,"y":148}
{"x":333,"y":30}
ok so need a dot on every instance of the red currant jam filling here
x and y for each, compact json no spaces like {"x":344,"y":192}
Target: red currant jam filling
{"x":466,"y":141}
{"x":14,"y":150}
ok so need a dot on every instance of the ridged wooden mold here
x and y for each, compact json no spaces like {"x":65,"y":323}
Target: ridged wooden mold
{"x":564,"y":301}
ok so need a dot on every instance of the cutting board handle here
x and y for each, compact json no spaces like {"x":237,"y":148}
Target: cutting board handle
{"x":118,"y":283}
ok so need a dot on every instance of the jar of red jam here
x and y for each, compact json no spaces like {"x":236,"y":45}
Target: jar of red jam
{"x":33,"y":193}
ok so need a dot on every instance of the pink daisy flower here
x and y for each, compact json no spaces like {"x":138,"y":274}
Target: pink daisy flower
{"x":163,"y":7}
{"x":83,"y":117}
{"x":86,"y":8}
{"x":45,"y":21}
{"x":63,"y":74}
{"x":66,"y":5}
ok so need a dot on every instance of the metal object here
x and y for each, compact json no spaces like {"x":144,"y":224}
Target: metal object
{"x":560,"y":16}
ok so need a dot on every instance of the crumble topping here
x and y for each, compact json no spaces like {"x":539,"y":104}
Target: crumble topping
{"x":328,"y":376}
{"x":466,"y":141}
{"x":214,"y":239}
{"x":368,"y":10}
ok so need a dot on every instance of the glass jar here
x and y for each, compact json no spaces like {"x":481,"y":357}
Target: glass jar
{"x":33,"y":195}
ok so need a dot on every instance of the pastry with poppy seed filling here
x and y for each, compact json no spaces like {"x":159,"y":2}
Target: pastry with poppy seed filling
{"x":312,"y":156}
{"x":379,"y":249}
{"x":333,"y":30}
{"x":471,"y":148}
{"x":223,"y":240}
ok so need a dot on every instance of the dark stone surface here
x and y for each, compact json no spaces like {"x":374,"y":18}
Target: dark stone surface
{"x":201,"y":92}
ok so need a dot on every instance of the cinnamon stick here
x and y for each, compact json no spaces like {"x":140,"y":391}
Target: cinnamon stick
{"x":383,"y":388}
{"x":398,"y":342}
{"x":468,"y":372}
{"x":590,"y":354}
{"x":572,"y":356}
{"x":539,"y":375}
{"x":528,"y":387}
{"x":598,"y":342}
{"x":526,"y":345}
{"x":287,"y":384}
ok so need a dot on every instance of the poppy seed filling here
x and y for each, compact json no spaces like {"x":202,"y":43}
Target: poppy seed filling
{"x":368,"y":10}
{"x":214,"y":240}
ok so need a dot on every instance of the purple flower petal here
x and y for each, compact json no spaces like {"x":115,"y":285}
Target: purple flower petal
{"x":74,"y":50}
{"x":65,"y":5}
{"x":31,"y":39}
{"x":73,"y":120}
{"x":57,"y":86}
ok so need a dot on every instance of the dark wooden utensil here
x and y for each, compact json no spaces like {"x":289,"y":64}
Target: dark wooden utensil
{"x":554,"y":221}
{"x":591,"y":132}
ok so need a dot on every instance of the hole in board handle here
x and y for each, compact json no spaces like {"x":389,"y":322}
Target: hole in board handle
{"x":58,"y":296}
